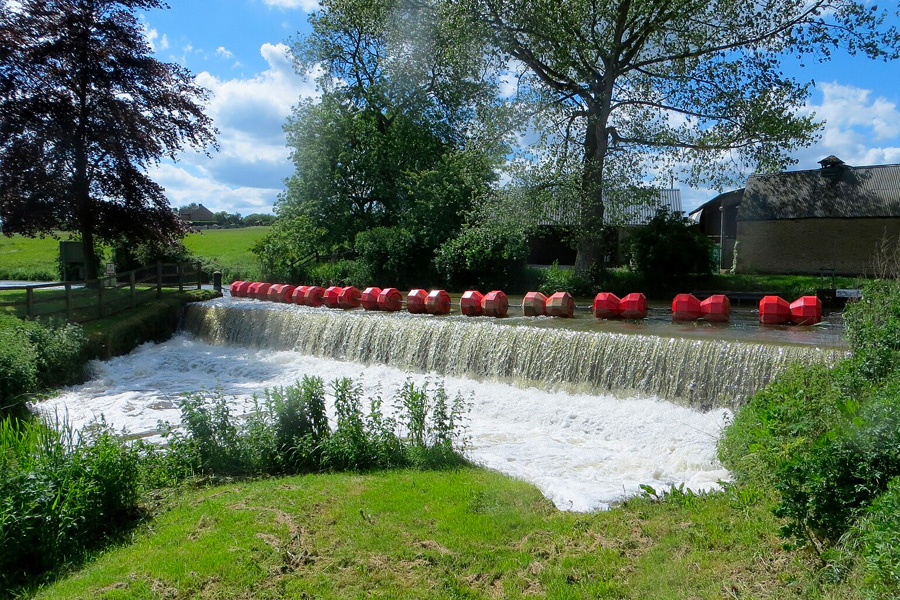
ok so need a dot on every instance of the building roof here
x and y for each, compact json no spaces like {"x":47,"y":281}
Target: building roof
{"x":615,"y":214}
{"x":836,"y":190}
{"x":732,"y":198}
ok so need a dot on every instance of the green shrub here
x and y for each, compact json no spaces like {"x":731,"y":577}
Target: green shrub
{"x":872,"y":327}
{"x":487,"y":255}
{"x":880,"y":543}
{"x":62,"y":493}
{"x":669,"y":248}
{"x":390,"y":256}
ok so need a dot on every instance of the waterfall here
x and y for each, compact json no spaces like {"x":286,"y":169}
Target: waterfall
{"x":698,"y":373}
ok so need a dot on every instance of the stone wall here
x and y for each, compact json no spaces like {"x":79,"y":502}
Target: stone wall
{"x":812,"y":245}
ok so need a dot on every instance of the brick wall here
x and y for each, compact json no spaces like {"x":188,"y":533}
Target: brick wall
{"x":812,"y":245}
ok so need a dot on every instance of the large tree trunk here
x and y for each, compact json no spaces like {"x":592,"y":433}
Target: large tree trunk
{"x":596,"y":142}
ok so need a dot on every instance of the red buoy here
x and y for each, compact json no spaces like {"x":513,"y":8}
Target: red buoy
{"x":806,"y":310}
{"x":259,"y":290}
{"x":774,"y":310}
{"x":634,"y":306}
{"x":349,"y":298}
{"x":534,"y":304}
{"x":415,"y":301}
{"x":331,"y":296}
{"x":495,"y":304}
{"x":243,"y":290}
{"x":716,"y":308}
{"x":470,"y":303}
{"x":314,"y":296}
{"x":438,"y":302}
{"x":233,"y":288}
{"x":607,"y":306}
{"x":561,"y":304}
{"x":686,"y":307}
{"x":390,"y":299}
{"x":297,"y":296}
{"x":369,"y":298}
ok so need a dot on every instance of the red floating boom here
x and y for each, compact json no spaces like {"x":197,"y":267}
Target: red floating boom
{"x":774,"y":310}
{"x":686,"y":307}
{"x":607,"y":306}
{"x":470,"y":303}
{"x":716,"y":308}
{"x":634,"y":306}
{"x":534,"y":304}
{"x":561,"y":304}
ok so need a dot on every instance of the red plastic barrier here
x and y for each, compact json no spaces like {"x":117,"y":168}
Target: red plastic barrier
{"x":495,"y":304}
{"x":716,"y":308}
{"x":233,"y":288}
{"x":774,"y":310}
{"x":806,"y":310}
{"x":415,"y":301}
{"x":243,"y":290}
{"x":314,"y":296}
{"x":607,"y":306}
{"x":369,"y":298}
{"x":686,"y":307}
{"x":298,"y":295}
{"x":438,"y":302}
{"x":274,"y":292}
{"x":561,"y":304}
{"x":390,"y":299}
{"x":470,"y":303}
{"x":331,"y":296}
{"x":349,"y":298}
{"x":634,"y":306}
{"x":534,"y":304}
{"x":259,"y":290}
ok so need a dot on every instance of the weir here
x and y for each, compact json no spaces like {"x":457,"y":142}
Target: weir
{"x":700,"y":373}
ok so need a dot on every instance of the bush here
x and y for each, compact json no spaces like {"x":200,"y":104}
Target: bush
{"x":880,"y":543}
{"x":62,"y":494}
{"x":669,"y":248}
{"x":488,"y":255}
{"x":34,"y":356}
{"x":872,"y":327}
{"x":288,"y":432}
{"x":390,"y":256}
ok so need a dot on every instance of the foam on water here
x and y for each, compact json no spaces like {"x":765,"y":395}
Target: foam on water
{"x":582,"y":451}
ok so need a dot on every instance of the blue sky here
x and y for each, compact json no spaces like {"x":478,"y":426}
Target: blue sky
{"x":239,"y":50}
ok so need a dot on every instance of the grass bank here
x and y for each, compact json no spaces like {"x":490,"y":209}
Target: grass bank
{"x":466,"y":533}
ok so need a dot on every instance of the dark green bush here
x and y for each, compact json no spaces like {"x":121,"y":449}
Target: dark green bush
{"x":488,"y":255}
{"x":62,"y":493}
{"x":34,"y":356}
{"x":391,"y":257}
{"x":880,"y":543}
{"x":872,"y":327}
{"x":669,"y":248}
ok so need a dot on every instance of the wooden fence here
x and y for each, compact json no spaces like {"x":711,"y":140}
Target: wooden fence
{"x":88,"y":300}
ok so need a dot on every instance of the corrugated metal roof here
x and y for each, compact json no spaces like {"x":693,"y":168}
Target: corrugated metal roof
{"x":631,"y":214}
{"x":842,"y":192}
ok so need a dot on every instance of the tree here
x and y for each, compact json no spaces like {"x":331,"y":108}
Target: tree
{"x":626,"y":85}
{"x":404,"y":140}
{"x":84,"y":110}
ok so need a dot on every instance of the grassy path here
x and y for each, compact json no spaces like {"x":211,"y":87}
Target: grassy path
{"x":469,"y":533}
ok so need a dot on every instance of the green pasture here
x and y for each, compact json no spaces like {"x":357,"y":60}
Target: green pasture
{"x":467,"y":533}
{"x":29,"y":259}
{"x":227,"y":246}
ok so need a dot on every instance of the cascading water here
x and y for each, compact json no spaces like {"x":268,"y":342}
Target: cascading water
{"x":699,"y":373}
{"x":583,"y":419}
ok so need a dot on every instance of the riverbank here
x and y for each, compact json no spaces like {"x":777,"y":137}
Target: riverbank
{"x":466,"y":533}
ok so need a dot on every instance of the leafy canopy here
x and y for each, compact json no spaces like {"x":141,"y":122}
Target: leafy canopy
{"x":84,"y":110}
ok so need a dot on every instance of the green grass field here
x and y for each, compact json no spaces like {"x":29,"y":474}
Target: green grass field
{"x":467,"y":533}
{"x":228,"y":250}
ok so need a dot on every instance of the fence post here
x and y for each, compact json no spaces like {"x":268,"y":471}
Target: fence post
{"x":29,"y":302}
{"x":198,"y":266}
{"x":180,"y":268}
{"x":69,"y":311}
{"x":100,"y":297}
{"x":131,"y":285}
{"x":158,"y":279}
{"x":217,"y":281}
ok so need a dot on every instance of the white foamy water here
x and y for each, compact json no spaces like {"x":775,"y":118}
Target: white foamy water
{"x":584,"y":452}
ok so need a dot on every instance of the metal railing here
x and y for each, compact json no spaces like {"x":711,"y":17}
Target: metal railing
{"x":97,"y":298}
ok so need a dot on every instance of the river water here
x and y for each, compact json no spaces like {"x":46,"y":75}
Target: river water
{"x":584,"y":451}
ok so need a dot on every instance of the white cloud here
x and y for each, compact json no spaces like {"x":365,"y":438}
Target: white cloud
{"x":224,"y":52}
{"x":307,"y":5}
{"x":253,"y":160}
{"x":157,"y":43}
{"x":860,"y":128}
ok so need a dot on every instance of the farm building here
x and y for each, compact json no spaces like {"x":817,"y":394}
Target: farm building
{"x":826,"y":220}
{"x":196,"y":215}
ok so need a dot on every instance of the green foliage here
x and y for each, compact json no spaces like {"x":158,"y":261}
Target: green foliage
{"x":128,"y":255}
{"x":391,"y":257}
{"x":828,"y":439}
{"x":35,"y":356}
{"x":62,"y":493}
{"x":669,"y":248}
{"x":288,"y":432}
{"x":880,"y":543}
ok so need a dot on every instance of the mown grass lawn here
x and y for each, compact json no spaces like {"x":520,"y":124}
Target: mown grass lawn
{"x":468,"y":533}
{"x":29,"y":259}
{"x":228,"y":246}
